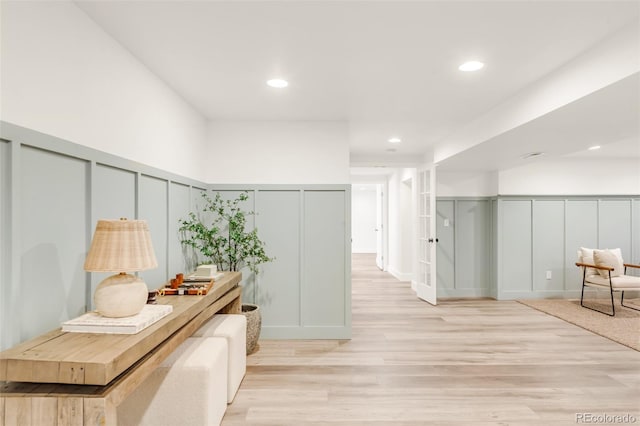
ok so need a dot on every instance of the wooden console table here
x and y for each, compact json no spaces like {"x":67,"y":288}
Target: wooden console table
{"x":69,"y":379}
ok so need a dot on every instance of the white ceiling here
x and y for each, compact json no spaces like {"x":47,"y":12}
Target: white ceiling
{"x":388,"y":68}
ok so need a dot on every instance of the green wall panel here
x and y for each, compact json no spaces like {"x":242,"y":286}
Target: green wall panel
{"x":635,"y":256}
{"x":548,"y":245}
{"x":324,"y":288}
{"x":473,"y":236}
{"x":581,"y":231}
{"x":153,"y":202}
{"x":464,"y":254}
{"x":6,"y":286}
{"x":559,"y":227}
{"x":54,"y":191}
{"x":114,"y":193}
{"x":445,"y":256}
{"x":614,"y":226}
{"x":113,"y":197}
{"x":53,"y":240}
{"x":278,"y":286}
{"x":248,"y":278}
{"x":179,"y":208}
{"x":515,"y":250}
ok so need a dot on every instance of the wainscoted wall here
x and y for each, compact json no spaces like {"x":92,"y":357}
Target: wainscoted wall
{"x":306,"y":291}
{"x":502,"y":247}
{"x":537,"y":235}
{"x":53,"y":192}
{"x":464,"y":255}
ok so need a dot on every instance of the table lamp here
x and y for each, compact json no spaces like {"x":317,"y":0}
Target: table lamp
{"x":120,"y":246}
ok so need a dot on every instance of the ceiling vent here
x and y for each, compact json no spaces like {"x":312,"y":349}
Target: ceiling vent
{"x":532,"y":155}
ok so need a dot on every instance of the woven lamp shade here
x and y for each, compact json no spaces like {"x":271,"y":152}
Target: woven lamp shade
{"x":121,"y":246}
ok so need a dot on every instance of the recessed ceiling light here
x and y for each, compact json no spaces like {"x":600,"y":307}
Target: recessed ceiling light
{"x":471,"y":66}
{"x":277,"y":83}
{"x":395,"y":140}
{"x":593,"y":148}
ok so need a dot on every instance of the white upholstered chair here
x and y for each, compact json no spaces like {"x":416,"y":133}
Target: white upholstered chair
{"x":605,"y":269}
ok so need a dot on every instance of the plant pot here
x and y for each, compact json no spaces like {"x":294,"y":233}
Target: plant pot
{"x":254,"y":325}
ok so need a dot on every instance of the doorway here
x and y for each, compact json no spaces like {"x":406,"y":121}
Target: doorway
{"x":368,"y":216}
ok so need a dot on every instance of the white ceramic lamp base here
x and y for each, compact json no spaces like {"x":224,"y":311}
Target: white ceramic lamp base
{"x":120,"y":295}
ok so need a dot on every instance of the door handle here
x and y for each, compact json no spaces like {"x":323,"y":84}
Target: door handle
{"x":431,"y":240}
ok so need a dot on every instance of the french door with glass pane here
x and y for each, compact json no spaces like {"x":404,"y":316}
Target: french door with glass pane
{"x":426,"y":212}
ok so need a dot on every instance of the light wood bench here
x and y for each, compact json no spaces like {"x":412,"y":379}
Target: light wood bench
{"x":80,"y":378}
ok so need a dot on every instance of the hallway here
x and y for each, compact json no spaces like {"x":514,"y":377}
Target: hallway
{"x":469,"y":362}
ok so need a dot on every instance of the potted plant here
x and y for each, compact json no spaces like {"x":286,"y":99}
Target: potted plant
{"x":219,"y":234}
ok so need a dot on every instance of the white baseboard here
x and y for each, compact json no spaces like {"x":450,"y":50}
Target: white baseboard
{"x":402,"y":276}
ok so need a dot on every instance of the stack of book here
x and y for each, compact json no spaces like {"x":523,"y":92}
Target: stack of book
{"x":93,"y":322}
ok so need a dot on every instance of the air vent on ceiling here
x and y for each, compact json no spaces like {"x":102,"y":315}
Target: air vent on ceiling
{"x":532,"y":155}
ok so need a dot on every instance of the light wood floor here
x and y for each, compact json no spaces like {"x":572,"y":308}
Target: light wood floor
{"x":469,"y":362}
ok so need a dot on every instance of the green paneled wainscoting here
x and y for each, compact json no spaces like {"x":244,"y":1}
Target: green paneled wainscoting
{"x":53,"y":192}
{"x":306,"y":292}
{"x":512,"y":247}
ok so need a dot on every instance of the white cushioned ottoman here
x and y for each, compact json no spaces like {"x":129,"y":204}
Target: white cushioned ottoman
{"x":233,"y":328}
{"x":188,"y":388}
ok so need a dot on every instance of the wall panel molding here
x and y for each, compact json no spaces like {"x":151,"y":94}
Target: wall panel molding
{"x":559,"y":226}
{"x":530,"y":235}
{"x":464,"y":248}
{"x":85,"y":185}
{"x":308,"y":295}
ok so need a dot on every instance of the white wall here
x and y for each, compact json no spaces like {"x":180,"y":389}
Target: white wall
{"x":363,"y":219}
{"x":63,"y":75}
{"x":401,"y":233}
{"x":302,"y":152}
{"x":466,"y":184}
{"x":573,"y":177}
{"x":568,"y":176}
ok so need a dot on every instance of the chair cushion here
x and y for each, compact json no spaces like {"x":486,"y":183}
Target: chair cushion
{"x":585,"y":255}
{"x":608,"y":258}
{"x":622,"y":282}
{"x":618,"y":253}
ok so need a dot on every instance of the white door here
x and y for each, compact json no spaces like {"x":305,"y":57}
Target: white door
{"x":379,"y":227}
{"x":426,"y":212}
